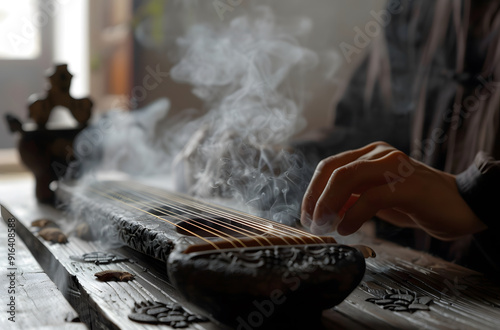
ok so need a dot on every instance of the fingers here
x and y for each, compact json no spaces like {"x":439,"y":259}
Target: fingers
{"x":353,"y":178}
{"x":369,"y":203}
{"x":349,"y":189}
{"x":397,"y":218}
{"x":322,"y":175}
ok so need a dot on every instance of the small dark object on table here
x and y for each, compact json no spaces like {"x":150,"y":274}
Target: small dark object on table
{"x":53,"y":234}
{"x":114,"y":275}
{"x":44,"y":223}
{"x":48,"y":152}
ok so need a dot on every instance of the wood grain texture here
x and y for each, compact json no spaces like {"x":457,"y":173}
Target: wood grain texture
{"x":462,"y":298}
{"x":101,"y":305}
{"x":38,"y":301}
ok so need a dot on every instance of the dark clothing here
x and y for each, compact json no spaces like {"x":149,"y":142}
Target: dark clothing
{"x":479,"y":185}
{"x":429,"y":87}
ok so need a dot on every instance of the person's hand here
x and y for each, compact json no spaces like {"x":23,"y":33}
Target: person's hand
{"x":350,"y":188}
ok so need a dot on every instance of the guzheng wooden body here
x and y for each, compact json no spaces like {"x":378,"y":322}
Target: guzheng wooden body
{"x":237,"y":269}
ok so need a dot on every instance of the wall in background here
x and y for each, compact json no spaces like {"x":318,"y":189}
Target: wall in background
{"x":333,"y":22}
{"x":109,"y":48}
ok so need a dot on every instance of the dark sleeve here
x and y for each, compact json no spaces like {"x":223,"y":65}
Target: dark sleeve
{"x":479,"y":186}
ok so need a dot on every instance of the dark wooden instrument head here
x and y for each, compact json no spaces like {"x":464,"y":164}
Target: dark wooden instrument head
{"x":267,"y":287}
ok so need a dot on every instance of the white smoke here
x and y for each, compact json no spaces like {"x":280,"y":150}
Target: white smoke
{"x":245,"y":74}
{"x":241,"y":73}
{"x":250,"y":76}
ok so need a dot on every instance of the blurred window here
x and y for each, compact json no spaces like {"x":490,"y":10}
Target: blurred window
{"x":34,"y":36}
{"x":20,"y":21}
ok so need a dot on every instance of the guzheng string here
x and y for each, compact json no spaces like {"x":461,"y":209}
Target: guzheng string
{"x":225,"y":236}
{"x":189,"y":201}
{"x":208,"y":217}
{"x":109,"y":196}
{"x":227,"y":216}
{"x":272,"y":228}
{"x":184,"y":204}
{"x":206,"y":228}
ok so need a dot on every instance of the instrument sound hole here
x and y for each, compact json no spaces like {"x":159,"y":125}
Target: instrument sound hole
{"x":215,"y":227}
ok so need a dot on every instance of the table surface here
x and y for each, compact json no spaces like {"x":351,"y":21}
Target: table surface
{"x":55,"y":291}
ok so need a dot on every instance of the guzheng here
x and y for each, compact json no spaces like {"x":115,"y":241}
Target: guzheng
{"x":227,"y":263}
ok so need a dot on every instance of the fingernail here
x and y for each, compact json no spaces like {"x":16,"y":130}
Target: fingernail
{"x":305,"y":219}
{"x":321,"y":221}
{"x":343,"y":231}
{"x":321,"y":226}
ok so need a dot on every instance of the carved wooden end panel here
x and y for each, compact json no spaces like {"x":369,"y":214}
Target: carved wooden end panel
{"x":270,"y":287}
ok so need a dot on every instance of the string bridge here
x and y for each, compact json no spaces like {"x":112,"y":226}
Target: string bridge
{"x":257,"y":241}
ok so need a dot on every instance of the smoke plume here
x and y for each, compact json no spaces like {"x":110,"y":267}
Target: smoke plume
{"x":250,"y":76}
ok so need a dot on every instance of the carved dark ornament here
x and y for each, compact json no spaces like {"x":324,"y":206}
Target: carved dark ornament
{"x":99,"y":258}
{"x":159,"y":313}
{"x":228,"y":285}
{"x":142,"y":239}
{"x":402,"y":301}
{"x":303,"y":259}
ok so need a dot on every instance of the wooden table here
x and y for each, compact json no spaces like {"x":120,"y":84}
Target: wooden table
{"x":461,"y":298}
